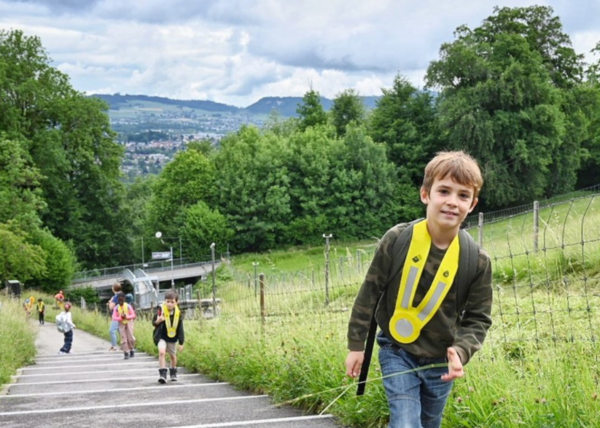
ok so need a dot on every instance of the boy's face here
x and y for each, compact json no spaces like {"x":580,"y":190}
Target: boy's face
{"x":448,"y":203}
{"x":171,"y":303}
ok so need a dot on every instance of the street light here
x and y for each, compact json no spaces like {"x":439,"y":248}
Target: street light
{"x":159,"y":236}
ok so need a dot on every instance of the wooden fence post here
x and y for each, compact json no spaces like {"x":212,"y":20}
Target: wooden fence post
{"x":263,"y":310}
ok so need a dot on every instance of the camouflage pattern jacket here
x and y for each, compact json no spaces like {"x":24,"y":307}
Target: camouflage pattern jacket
{"x":447,"y":328}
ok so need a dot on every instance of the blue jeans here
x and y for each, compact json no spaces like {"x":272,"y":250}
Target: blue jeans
{"x":114,"y":327}
{"x":68,"y":342}
{"x":416,"y":399}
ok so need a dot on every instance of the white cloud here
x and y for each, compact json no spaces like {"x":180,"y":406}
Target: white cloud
{"x":236,"y":51}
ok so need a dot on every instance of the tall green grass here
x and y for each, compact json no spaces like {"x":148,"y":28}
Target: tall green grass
{"x":17,"y":338}
{"x":539,"y":366}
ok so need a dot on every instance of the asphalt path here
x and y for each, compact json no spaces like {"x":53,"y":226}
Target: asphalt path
{"x":92,"y":387}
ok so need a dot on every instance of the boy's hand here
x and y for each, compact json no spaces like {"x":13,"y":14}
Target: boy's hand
{"x":354,"y":362}
{"x":455,"y":367}
{"x":180,"y":348}
{"x":160,"y":319}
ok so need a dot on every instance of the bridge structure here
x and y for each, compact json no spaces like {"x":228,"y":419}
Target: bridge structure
{"x":148,"y":282}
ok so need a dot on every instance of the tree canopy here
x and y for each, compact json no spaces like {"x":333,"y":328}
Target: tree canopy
{"x":512,"y":92}
{"x":504,"y":98}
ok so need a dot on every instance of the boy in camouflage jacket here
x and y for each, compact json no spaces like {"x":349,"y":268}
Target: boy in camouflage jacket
{"x":453,"y":331}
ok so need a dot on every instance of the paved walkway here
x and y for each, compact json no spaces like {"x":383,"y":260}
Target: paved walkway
{"x":93,"y":387}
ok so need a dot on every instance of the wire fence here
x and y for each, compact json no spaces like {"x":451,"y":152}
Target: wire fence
{"x":546,"y":295}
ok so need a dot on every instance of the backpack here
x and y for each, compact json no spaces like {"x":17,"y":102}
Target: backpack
{"x":158,"y":330}
{"x":61,"y":323}
{"x":467,"y":269}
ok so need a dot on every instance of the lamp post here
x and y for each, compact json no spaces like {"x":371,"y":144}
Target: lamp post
{"x":159,"y":236}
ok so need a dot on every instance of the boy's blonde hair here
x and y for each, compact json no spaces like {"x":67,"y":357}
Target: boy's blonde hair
{"x":461,"y":167}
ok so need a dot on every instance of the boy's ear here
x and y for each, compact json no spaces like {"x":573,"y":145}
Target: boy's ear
{"x":424,"y":195}
{"x":475,"y":200}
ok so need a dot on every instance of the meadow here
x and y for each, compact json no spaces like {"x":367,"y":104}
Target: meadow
{"x":539,"y":366}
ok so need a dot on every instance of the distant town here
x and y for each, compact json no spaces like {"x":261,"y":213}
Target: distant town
{"x":154,"y":129}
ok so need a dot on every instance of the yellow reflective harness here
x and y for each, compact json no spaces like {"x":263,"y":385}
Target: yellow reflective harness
{"x":407,"y":321}
{"x":171,"y":329}
{"x":40,"y":306}
{"x":123,"y":311}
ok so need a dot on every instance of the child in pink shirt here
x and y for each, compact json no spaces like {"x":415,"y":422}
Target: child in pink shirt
{"x":124,"y":314}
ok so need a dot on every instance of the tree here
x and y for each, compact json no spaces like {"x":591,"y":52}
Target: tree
{"x":543,"y":33}
{"x":311,"y":111}
{"x":253,"y":185}
{"x":139,"y":195}
{"x":60,"y":263}
{"x":20,"y":194}
{"x":347,"y":108}
{"x":503,"y":100}
{"x":405,"y":121}
{"x":185,"y":181}
{"x":366,"y":196}
{"x":68,"y":137}
{"x":588,"y":99}
{"x":19,"y":259}
{"x":200,"y":228}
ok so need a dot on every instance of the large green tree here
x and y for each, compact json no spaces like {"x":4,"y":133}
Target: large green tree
{"x":201,"y":227}
{"x":20,"y":194}
{"x":504,"y":99}
{"x":68,"y":137}
{"x":311,"y":110}
{"x":405,"y":121}
{"x":19,"y":259}
{"x":278,"y":190}
{"x":60,"y":263}
{"x":187,"y":180}
{"x":253,"y":185}
{"x":588,"y":96}
{"x":347,"y":108}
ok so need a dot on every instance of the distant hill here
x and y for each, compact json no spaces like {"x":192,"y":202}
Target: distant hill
{"x":285,"y":106}
{"x":117,"y":101}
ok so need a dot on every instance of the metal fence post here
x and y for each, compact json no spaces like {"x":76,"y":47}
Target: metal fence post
{"x":255,"y":264}
{"x":480,"y":226}
{"x":327,"y":237}
{"x":536,"y":224}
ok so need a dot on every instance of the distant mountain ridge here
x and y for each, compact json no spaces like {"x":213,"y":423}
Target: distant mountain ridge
{"x":116,"y":101}
{"x":285,"y":106}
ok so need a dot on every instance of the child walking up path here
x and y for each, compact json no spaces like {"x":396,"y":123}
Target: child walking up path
{"x":80,"y":390}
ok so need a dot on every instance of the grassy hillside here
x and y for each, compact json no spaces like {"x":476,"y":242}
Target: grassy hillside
{"x":539,"y":366}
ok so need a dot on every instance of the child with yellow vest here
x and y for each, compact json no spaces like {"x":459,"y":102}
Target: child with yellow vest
{"x":41,"y":308}
{"x":433,"y":317}
{"x":124,"y":314}
{"x":168,"y":330}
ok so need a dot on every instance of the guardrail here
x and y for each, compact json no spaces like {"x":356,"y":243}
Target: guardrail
{"x":154,"y":266}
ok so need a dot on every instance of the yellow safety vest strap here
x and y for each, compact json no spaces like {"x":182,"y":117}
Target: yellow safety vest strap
{"x":407,"y":321}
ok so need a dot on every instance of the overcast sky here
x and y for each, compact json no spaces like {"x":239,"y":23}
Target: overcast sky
{"x":237,"y":51}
